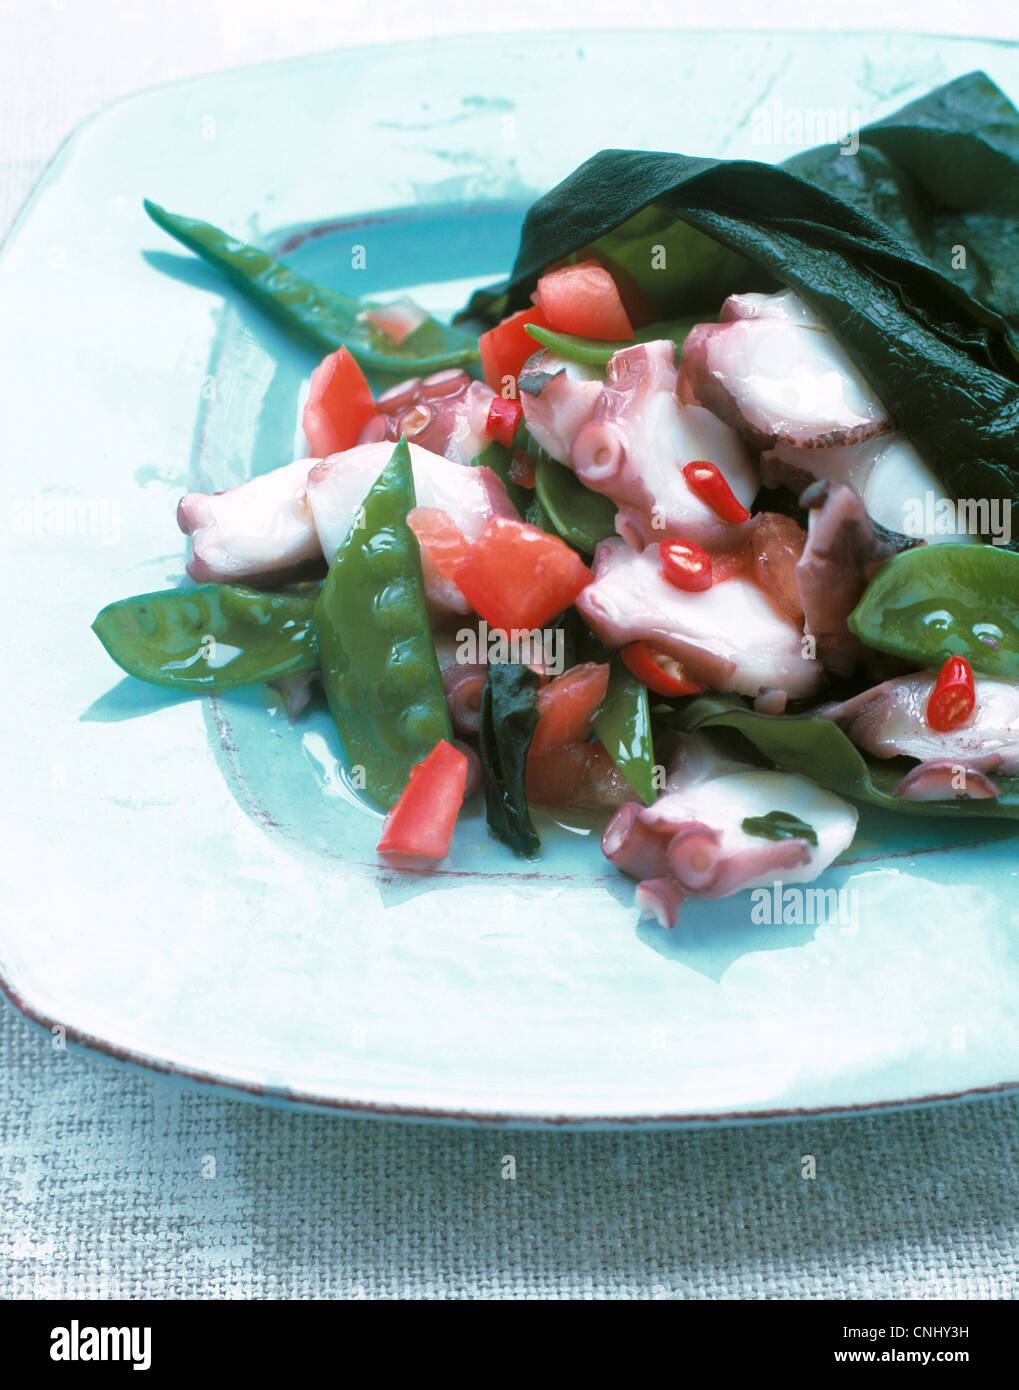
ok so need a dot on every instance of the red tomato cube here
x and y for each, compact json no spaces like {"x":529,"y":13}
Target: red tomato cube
{"x":506,"y":347}
{"x":339,"y":405}
{"x":518,"y":576}
{"x":583,"y":299}
{"x":420,"y":825}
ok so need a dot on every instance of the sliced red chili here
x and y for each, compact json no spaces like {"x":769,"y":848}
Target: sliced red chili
{"x":661,"y":673}
{"x":954,"y":696}
{"x":707,"y":482}
{"x":503,"y":418}
{"x":686,"y":565}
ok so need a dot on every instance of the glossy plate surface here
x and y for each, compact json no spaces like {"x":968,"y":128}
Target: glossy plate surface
{"x":191,"y":883}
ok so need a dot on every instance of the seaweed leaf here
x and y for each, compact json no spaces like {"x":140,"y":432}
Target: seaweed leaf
{"x":871,"y":243}
{"x":818,"y":750}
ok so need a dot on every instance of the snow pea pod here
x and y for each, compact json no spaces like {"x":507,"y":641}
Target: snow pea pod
{"x":582,"y":517}
{"x":323,"y":319}
{"x":938,"y":601}
{"x":623,"y":724}
{"x":623,"y":720}
{"x":378,"y":660}
{"x":592,"y":352}
{"x":211,"y":637}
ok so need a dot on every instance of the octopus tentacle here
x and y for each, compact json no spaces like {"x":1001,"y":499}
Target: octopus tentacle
{"x":773,"y":371}
{"x":840,"y":556}
{"x":694,"y":842}
{"x":944,"y":780}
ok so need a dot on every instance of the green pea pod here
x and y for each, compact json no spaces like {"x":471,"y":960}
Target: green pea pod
{"x":582,"y":517}
{"x":211,"y":637}
{"x":623,"y":720}
{"x":623,"y":724}
{"x":378,"y":661}
{"x":594,"y":353}
{"x":322,"y":318}
{"x":938,"y":601}
{"x":536,"y":515}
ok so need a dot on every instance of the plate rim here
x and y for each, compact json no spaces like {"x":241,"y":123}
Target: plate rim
{"x":437,"y":40}
{"x":363,"y":1109}
{"x":304,"y":1099}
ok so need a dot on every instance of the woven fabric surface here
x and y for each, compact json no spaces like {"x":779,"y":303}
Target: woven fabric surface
{"x":118,"y":1184}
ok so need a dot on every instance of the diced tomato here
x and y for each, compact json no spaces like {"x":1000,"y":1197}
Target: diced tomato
{"x":420,"y":825}
{"x":440,"y":537}
{"x":578,"y":774}
{"x":518,"y":576}
{"x":640,"y":308}
{"x":521,"y":468}
{"x":727,"y":564}
{"x":339,"y":405}
{"x":659,"y":672}
{"x":567,"y":705}
{"x":777,"y":543}
{"x":583,"y":299}
{"x":503,"y":418}
{"x":506,"y":347}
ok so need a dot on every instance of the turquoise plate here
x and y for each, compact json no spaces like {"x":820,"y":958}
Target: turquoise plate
{"x":192,"y":886}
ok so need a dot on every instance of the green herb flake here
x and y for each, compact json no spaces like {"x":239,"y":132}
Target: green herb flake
{"x":780,"y":825}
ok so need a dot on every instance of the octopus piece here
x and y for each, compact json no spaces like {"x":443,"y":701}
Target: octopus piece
{"x":263,"y":526}
{"x":558,"y":398}
{"x":886,"y":471}
{"x":471,"y":497}
{"x":890,"y":720}
{"x":729,"y":637}
{"x":840,"y":556}
{"x":636,"y":442}
{"x":692,"y":843}
{"x":474,"y":769}
{"x":943,"y":780}
{"x":895,"y":491}
{"x":295,"y":691}
{"x":772,"y":370}
{"x":796,"y":468}
{"x":446,"y":414}
{"x":463,"y":682}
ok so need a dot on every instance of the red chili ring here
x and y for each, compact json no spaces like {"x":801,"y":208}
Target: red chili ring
{"x":685,"y":565}
{"x":707,"y":482}
{"x":953,"y":698}
{"x":661,"y":673}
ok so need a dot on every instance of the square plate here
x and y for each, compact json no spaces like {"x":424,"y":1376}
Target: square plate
{"x":192,"y":885}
